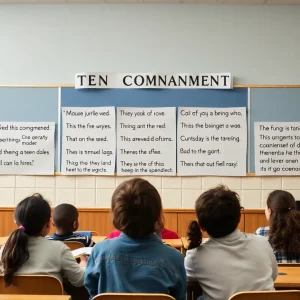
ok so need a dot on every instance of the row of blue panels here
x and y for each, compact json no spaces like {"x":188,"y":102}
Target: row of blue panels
{"x":42,"y":104}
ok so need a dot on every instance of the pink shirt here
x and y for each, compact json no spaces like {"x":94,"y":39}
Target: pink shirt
{"x":165,"y":234}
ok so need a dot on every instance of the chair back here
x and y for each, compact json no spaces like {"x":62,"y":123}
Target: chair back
{"x":73,"y":245}
{"x":89,"y":234}
{"x":32,"y":285}
{"x":131,"y":296}
{"x":267,"y":295}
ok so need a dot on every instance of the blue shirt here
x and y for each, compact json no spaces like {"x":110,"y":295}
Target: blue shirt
{"x":72,"y":237}
{"x":126,"y":265}
{"x":281,"y":257}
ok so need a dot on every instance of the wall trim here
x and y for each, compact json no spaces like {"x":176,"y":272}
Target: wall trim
{"x":283,"y":86}
{"x":167,"y":210}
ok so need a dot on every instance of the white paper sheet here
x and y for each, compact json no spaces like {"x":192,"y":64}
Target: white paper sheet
{"x":211,"y":141}
{"x":27,"y":148}
{"x":88,"y":140}
{"x":146,"y":141}
{"x":277,"y":148}
{"x":82,"y":251}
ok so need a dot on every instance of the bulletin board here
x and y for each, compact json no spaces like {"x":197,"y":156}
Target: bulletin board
{"x":31,"y":104}
{"x":43,"y":104}
{"x":154,"y":98}
{"x":272,"y":105}
{"x":151,"y":98}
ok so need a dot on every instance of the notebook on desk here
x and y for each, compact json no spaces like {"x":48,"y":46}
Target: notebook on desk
{"x":82,"y":251}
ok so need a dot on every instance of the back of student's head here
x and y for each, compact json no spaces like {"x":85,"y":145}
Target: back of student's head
{"x":65,"y":217}
{"x":284,"y":221}
{"x":136,"y":208}
{"x":32,"y":216}
{"x":218,"y":213}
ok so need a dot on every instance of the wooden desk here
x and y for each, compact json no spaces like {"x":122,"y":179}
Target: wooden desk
{"x":289,"y":281}
{"x":3,"y":240}
{"x":34,"y":297}
{"x":175,"y":243}
{"x":96,"y":239}
{"x":99,"y":238}
{"x":185,"y":242}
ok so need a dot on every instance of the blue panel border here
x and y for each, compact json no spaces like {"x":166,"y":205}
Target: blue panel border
{"x":272,"y":105}
{"x":30,"y":104}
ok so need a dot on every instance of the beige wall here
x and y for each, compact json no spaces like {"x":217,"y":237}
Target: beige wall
{"x":176,"y":192}
{"x":48,"y":44}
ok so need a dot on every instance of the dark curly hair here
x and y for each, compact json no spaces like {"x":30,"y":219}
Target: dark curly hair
{"x":218,"y":212}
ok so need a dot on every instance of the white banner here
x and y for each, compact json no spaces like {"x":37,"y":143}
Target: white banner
{"x":153,"y":81}
{"x":146,"y":141}
{"x":277,"y":148}
{"x":211,"y":141}
{"x":88,"y":141}
{"x":27,"y":148}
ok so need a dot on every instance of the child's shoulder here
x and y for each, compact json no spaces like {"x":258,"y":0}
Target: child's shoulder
{"x":117,"y":243}
{"x":261,"y":238}
{"x":255,"y":236}
{"x":48,"y":245}
{"x":172,"y":253}
{"x":107,"y":244}
{"x":257,"y":241}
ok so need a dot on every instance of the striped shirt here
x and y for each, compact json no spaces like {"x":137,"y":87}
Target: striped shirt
{"x":73,"y":237}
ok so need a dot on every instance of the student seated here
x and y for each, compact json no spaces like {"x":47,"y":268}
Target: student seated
{"x":28,"y":252}
{"x":165,"y":234}
{"x":137,"y":261}
{"x":65,"y":221}
{"x":229,"y":261}
{"x":283,"y":231}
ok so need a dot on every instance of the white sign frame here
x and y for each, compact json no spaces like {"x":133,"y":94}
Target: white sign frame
{"x":153,"y":81}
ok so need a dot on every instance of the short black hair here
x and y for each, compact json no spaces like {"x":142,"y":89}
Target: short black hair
{"x":136,"y":207}
{"x":218,"y":211}
{"x":64,"y":215}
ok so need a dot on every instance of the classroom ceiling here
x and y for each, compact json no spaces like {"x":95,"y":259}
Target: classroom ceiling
{"x":152,"y":1}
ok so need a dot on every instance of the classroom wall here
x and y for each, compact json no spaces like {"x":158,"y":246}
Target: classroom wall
{"x":44,"y":44}
{"x":99,"y":220}
{"x":177,"y":192}
{"x":47,"y":44}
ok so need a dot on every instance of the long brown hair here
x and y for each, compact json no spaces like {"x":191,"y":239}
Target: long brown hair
{"x":284,"y":222}
{"x":31,"y":215}
{"x":136,"y":208}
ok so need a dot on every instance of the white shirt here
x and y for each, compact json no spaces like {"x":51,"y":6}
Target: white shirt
{"x":235,"y":263}
{"x":51,"y":258}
